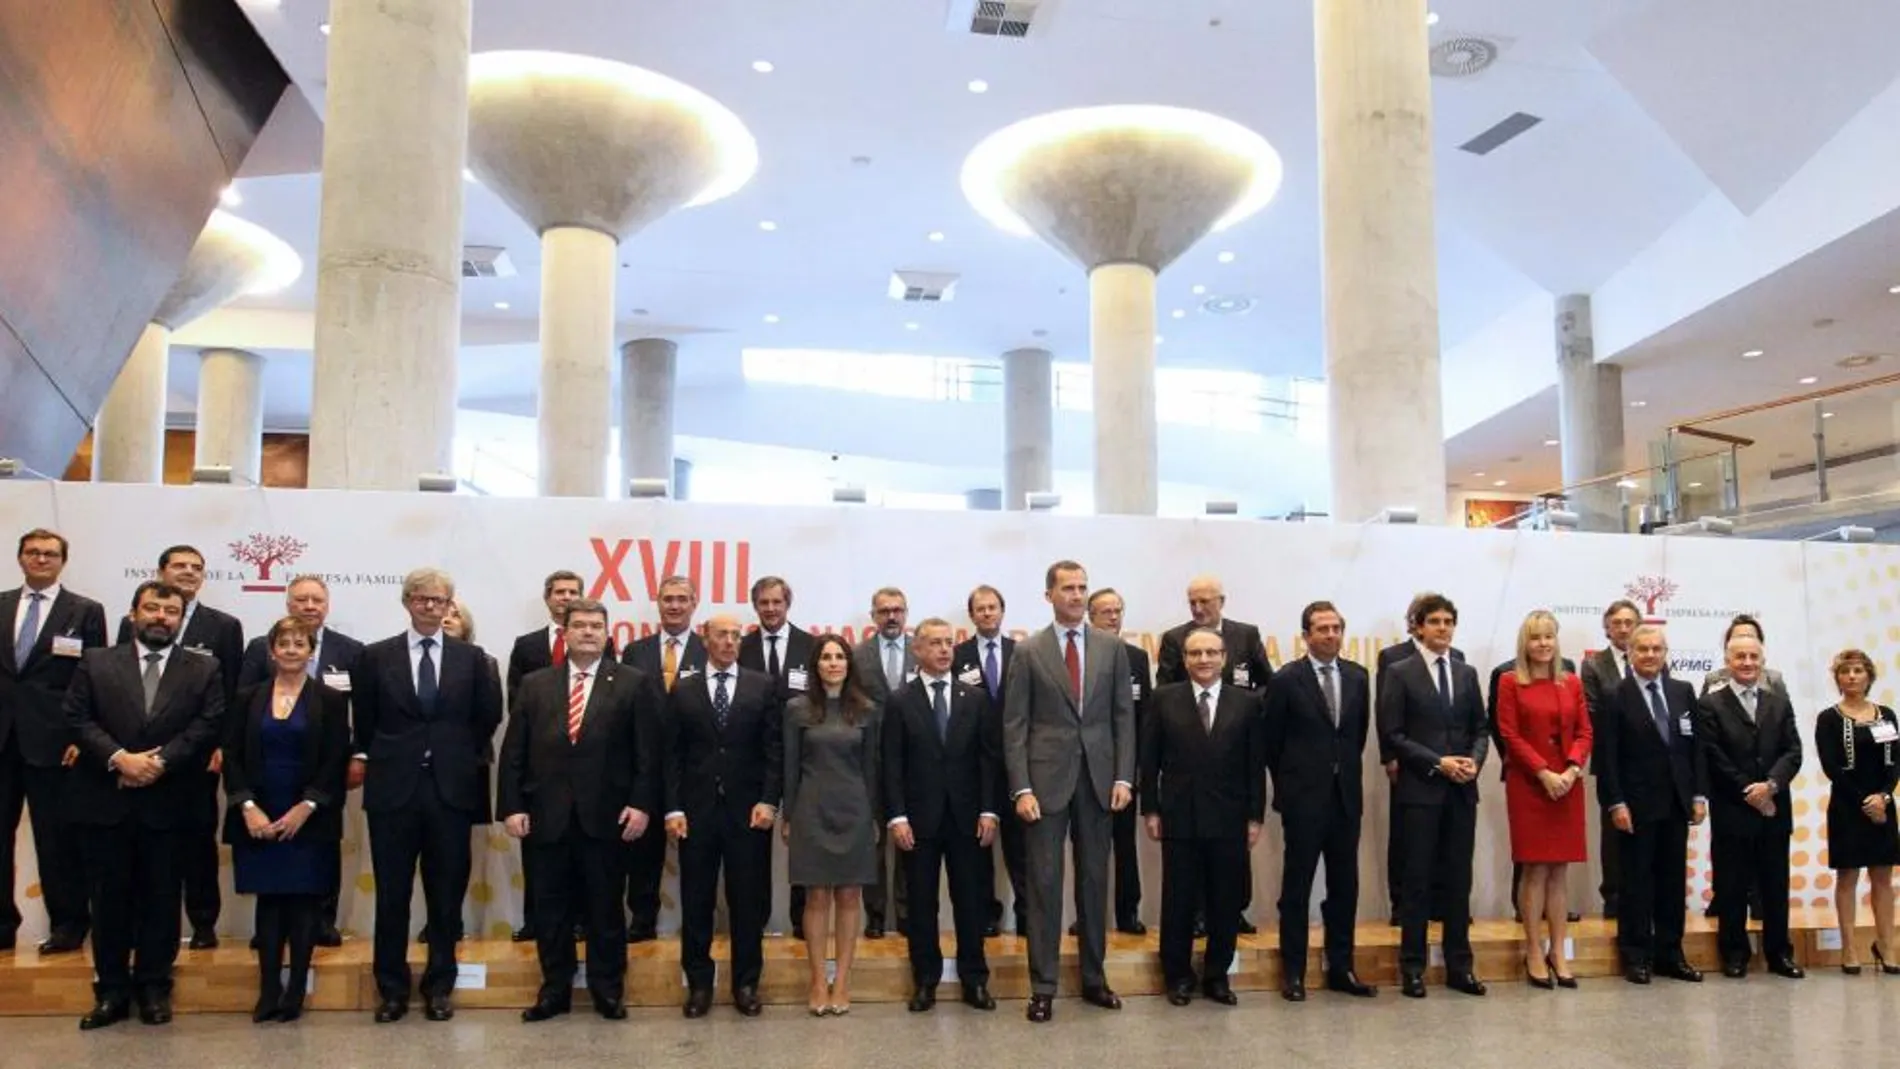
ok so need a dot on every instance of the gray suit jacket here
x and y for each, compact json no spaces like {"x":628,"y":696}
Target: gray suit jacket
{"x":1048,"y":742}
{"x":869,"y":655}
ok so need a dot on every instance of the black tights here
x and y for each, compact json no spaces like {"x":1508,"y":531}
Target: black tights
{"x":285,"y":920}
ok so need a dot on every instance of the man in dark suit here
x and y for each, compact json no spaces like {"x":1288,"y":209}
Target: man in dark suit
{"x":1388,"y":657}
{"x":1497,"y":744}
{"x":1204,"y":797}
{"x":1069,"y":748}
{"x":672,"y":653}
{"x":1651,"y":784}
{"x":1751,"y":749}
{"x":1318,"y":714}
{"x":1603,"y":673}
{"x":982,"y":661}
{"x":724,"y":766}
{"x":885,"y":662}
{"x":308,"y":599}
{"x":142,"y":714}
{"x":1105,"y":614}
{"x":424,"y":707}
{"x":1431,"y":717}
{"x":48,"y":627}
{"x":782,"y":650}
{"x":205,"y":631}
{"x":941,"y":751}
{"x":579,"y":779}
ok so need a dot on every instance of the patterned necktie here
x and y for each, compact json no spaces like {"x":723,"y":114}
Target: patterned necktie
{"x":771,"y":659}
{"x":1444,"y":685}
{"x":941,"y":708}
{"x":893,"y":664}
{"x":150,"y":680}
{"x":29,"y":630}
{"x":425,"y":676}
{"x":989,"y":669}
{"x":1207,"y":712}
{"x":576,"y":707}
{"x":722,"y":702}
{"x":670,"y":662}
{"x":1331,"y":691}
{"x":1659,"y":709}
{"x":1072,"y":659}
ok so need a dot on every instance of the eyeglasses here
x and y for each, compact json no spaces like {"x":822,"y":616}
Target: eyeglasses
{"x":43,"y":554}
{"x":429,"y":601}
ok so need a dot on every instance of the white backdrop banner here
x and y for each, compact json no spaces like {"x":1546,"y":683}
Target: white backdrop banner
{"x":1814,"y":600}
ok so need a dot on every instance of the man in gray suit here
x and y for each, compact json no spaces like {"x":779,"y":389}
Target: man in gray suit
{"x":885,"y":663}
{"x":1069,"y":748}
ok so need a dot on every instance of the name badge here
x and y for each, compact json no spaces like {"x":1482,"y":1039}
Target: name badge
{"x":910,"y":676}
{"x":796,"y":678}
{"x":200,"y":650}
{"x":337,"y":681}
{"x":971,"y":678}
{"x":686,"y":673}
{"x":1243,"y":677}
{"x":67,"y":646}
{"x":1885,"y":731}
{"x":1685,"y":727}
{"x":1134,"y":690}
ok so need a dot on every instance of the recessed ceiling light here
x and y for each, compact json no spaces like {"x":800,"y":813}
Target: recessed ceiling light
{"x":935,"y":235}
{"x":978,"y":85}
{"x":1550,"y":441}
{"x":1431,"y":18}
{"x":1501,"y":482}
{"x":911,"y":326}
{"x":323,"y":28}
{"x":1179,"y":313}
{"x":763,"y":66}
{"x":1895,"y":289}
{"x":1225,"y":257}
{"x":1159,"y":339}
{"x":1751,"y":354}
{"x":1808,"y":380}
{"x":230,"y":197}
{"x":767,"y":225}
{"x":1639,"y":404}
{"x":502,"y":305}
{"x":1626,"y":484}
{"x":1827,"y":415}
{"x":1477,"y":475}
{"x":1198,"y":289}
{"x":468,"y":175}
{"x":770,"y":318}
{"x":1695,"y":486}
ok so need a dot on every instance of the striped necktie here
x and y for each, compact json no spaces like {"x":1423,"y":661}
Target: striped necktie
{"x":576,"y":706}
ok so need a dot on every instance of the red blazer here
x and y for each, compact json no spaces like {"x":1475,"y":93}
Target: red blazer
{"x":1517,"y":726}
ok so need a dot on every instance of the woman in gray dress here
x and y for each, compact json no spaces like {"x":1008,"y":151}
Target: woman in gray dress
{"x":831,"y":812}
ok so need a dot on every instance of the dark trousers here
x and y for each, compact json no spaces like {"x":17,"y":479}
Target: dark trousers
{"x":1196,"y":872}
{"x":1753,"y":865}
{"x":722,"y":839}
{"x":1332,"y":834}
{"x":12,"y":798}
{"x":1610,"y":850}
{"x":434,"y":834}
{"x":132,"y":884}
{"x":1394,"y":856}
{"x":56,"y":843}
{"x":1438,"y":840}
{"x":285,"y":922}
{"x":578,"y":880}
{"x":1649,"y":917}
{"x":1012,"y":843}
{"x":645,"y":865}
{"x":891,"y":884}
{"x":1083,"y":824}
{"x":198,"y":866}
{"x":957,"y":850}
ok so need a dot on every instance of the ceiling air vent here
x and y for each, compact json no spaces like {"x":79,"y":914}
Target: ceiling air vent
{"x":1462,"y":57}
{"x":923,"y":286}
{"x":486,"y":261}
{"x":1495,"y":138}
{"x":994,"y":18}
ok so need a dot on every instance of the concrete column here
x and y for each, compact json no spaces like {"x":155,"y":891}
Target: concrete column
{"x":1380,"y":258}
{"x":1590,"y":417}
{"x":231,"y":414}
{"x":1029,"y":400}
{"x":682,"y":479}
{"x":577,"y":352}
{"x":1122,"y":358}
{"x":128,"y":438}
{"x":988,"y":499}
{"x":648,"y":370}
{"x":389,"y":246}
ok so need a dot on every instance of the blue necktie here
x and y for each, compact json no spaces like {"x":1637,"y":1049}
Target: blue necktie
{"x":1659,"y":709}
{"x":722,"y":702}
{"x":1444,"y":686}
{"x":425,"y":677}
{"x":989,"y":669}
{"x":29,"y":630}
{"x":941,"y":708}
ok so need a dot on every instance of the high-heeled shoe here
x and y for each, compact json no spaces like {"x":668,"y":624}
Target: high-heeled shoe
{"x":1881,"y":960}
{"x":1541,"y":982}
{"x":1568,"y":983}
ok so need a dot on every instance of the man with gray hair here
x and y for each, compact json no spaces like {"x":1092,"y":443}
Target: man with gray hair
{"x":424,"y":708}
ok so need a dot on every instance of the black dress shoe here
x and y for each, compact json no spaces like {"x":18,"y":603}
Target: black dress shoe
{"x":291,"y":1008}
{"x":423,"y":935}
{"x":1466,"y":983}
{"x":266,"y":1008}
{"x":1022,"y":925}
{"x":1735,"y":970}
{"x":106,"y":1014}
{"x":253,"y":943}
{"x":746,"y":1001}
{"x":545,"y":1010}
{"x":156,"y":1010}
{"x":1181,"y":994}
{"x":1636,"y":974}
{"x":1247,"y":927}
{"x":1573,"y":916}
{"x":202,"y":939}
{"x":1041,"y":1008}
{"x":648,"y":935}
{"x":1412,"y":985}
{"x":1785,"y":967}
{"x":1200,"y":928}
{"x":1075,"y":929}
{"x":580,"y":933}
{"x":1680,"y":970}
{"x":611,"y":1009}
{"x":523,"y":934}
{"x":1348,"y":983}
{"x":798,"y":930}
{"x":1131,"y":926}
{"x":329,"y":937}
{"x":62,"y":943}
{"x":990,"y":930}
{"x":9,"y":941}
{"x":1293,"y":989}
{"x":698,"y":1001}
{"x":1220,"y":991}
{"x":1103,"y":997}
{"x":874,"y":930}
{"x":390,"y":1009}
{"x":923,"y":1000}
{"x":977,"y":996}
{"x":437,"y":1008}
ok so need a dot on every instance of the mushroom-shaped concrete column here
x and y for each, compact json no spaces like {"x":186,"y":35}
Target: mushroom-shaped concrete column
{"x":589,"y":151}
{"x":1123,"y":191}
{"x":230,"y":259}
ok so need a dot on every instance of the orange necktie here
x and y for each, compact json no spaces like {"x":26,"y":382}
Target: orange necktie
{"x":670,"y":662}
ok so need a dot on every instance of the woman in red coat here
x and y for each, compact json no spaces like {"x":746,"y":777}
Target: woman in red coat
{"x":1545,"y":727}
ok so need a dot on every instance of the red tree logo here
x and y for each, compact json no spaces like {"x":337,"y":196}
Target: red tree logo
{"x":1649,"y":590}
{"x":266,"y":552}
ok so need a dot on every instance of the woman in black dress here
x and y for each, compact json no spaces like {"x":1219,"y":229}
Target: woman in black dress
{"x":286,"y":755}
{"x":1859,"y":743}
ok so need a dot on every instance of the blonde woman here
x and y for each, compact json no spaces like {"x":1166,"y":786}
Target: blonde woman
{"x":1859,"y":745}
{"x":1545,"y":727}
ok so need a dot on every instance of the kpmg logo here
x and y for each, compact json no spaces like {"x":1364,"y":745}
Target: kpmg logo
{"x":720,"y":571}
{"x":266,"y":553}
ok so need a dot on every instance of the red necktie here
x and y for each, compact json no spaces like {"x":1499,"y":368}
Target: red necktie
{"x":576,"y":707}
{"x":1073,"y":659}
{"x":559,"y":655}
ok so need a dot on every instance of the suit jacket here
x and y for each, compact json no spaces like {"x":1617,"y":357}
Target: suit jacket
{"x":1601,"y":678}
{"x":966,"y":665}
{"x":32,"y":695}
{"x":1395,"y":654}
{"x":326,"y":759}
{"x":533,"y":652}
{"x":1491,"y":710}
{"x":738,"y":768}
{"x":1417,"y":729}
{"x":336,"y":656}
{"x":1737,"y":752}
{"x":1659,"y":777}
{"x":796,"y":654}
{"x":646,"y":656}
{"x":209,"y":631}
{"x":1247,"y":664}
{"x":869,"y":655}
{"x":396,"y":732}
{"x":614,"y":764}
{"x":1050,"y":742}
{"x":105,"y":711}
{"x":1202,"y":785}
{"x":947,"y":781}
{"x":1315,"y":764}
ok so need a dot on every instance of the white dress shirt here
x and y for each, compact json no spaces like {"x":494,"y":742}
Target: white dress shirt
{"x":415,"y":658}
{"x":1431,"y":668}
{"x":587,"y":677}
{"x":51,"y":594}
{"x":949,"y":696}
{"x":1212,"y":690}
